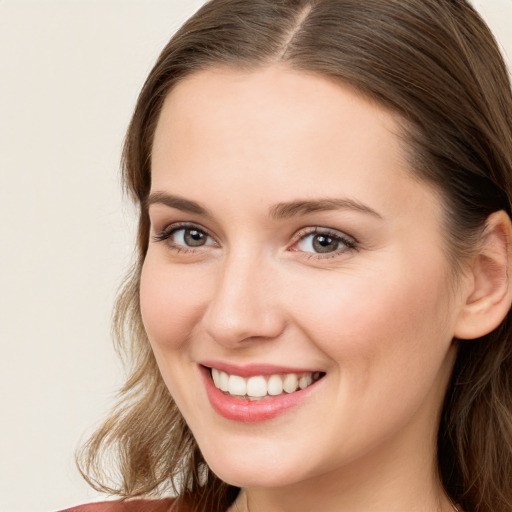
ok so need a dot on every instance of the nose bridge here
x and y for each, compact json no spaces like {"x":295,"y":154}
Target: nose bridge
{"x":244,"y":302}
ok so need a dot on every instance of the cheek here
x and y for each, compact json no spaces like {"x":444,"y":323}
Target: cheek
{"x":386,"y":317}
{"x":380,"y":331}
{"x":171,"y":301}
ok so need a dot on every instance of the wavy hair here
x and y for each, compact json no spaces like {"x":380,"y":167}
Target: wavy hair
{"x":436,"y":64}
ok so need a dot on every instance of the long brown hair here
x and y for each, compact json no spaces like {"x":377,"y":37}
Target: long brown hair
{"x":436,"y":64}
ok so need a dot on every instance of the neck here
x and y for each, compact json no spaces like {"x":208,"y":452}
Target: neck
{"x":334,"y":499}
{"x":442,"y":504}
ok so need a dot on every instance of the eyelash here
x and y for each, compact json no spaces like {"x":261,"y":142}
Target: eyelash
{"x":167,"y":233}
{"x":349,"y":243}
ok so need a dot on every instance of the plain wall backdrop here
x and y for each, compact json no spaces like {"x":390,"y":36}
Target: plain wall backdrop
{"x":70,"y":72}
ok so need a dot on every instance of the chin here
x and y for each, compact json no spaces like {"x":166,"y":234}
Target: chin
{"x":255,"y":475}
{"x":264,"y":466}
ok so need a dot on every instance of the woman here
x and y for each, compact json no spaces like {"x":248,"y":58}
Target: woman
{"x":319,"y":315}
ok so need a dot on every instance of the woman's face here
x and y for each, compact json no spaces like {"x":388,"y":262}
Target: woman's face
{"x":291,"y":247}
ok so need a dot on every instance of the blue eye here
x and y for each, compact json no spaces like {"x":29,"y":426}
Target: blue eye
{"x":324,"y":242}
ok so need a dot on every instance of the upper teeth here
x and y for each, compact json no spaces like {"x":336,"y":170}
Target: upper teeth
{"x":262,"y":385}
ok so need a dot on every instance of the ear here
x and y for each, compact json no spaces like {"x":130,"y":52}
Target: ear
{"x":489,"y":295}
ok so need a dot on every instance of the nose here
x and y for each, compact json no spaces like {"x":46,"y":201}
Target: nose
{"x":244,"y":307}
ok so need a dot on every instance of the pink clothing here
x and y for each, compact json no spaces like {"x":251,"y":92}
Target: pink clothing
{"x":163,"y":505}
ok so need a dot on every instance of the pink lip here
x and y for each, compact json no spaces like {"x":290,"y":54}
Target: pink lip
{"x":248,"y":411}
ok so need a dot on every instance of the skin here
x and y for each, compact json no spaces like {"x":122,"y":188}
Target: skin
{"x":378,"y":318}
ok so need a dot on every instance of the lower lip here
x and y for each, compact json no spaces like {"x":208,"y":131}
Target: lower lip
{"x":252,"y":411}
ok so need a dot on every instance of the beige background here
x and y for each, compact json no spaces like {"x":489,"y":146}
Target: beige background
{"x":70,"y":72}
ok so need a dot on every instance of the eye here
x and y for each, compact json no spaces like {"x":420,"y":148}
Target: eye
{"x":189,"y":237}
{"x":324,"y":241}
{"x":184,"y":237}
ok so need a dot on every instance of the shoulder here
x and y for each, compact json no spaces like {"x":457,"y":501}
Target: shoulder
{"x":163,"y":505}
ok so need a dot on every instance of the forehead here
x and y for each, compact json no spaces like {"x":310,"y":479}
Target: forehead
{"x":274,"y":102}
{"x":278,"y":132}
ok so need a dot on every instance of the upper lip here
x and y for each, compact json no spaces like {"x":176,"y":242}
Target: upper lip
{"x":250,"y":370}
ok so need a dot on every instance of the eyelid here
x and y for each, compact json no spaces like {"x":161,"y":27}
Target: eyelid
{"x":349,"y":241}
{"x":165,"y":233}
{"x":308,"y":230}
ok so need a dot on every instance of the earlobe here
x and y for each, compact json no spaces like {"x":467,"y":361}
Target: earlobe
{"x":489,"y":299}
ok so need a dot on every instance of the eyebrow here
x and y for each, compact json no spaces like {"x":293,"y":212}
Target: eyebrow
{"x":278,"y":211}
{"x":180,"y":203}
{"x":286,"y":210}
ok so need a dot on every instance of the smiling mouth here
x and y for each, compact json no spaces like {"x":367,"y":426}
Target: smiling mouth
{"x":261,"y":387}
